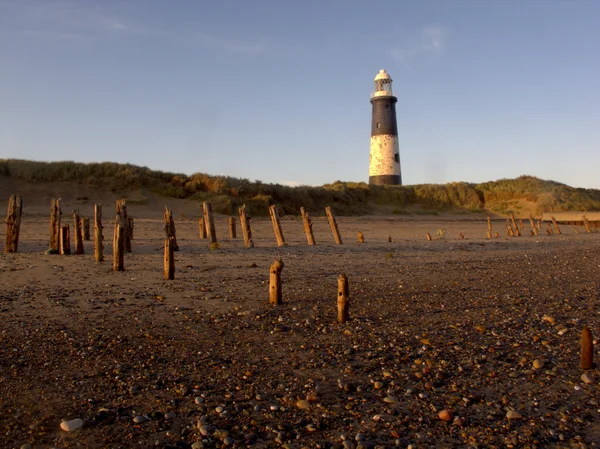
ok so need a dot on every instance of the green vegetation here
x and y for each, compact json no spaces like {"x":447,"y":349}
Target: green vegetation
{"x":346,"y":198}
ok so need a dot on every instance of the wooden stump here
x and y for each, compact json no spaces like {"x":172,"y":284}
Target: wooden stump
{"x":55,"y":214}
{"x":130,"y":227}
{"x":428,"y":236}
{"x":389,"y":239}
{"x":275,"y":282}
{"x":209,"y":222}
{"x":496,"y":235}
{"x":85,"y":226}
{"x":489,"y":225}
{"x":122,"y":212}
{"x":170,"y":228}
{"x":514,"y":225}
{"x":462,"y":237}
{"x":98,"y":246}
{"x":169,"y":260}
{"x":201,"y":228}
{"x":232,"y":233}
{"x":587,"y":349}
{"x":361,"y":237}
{"x":533,"y":227}
{"x":78,"y":231}
{"x":343,"y":299}
{"x":333,"y":225}
{"x":587,"y":224}
{"x":65,"y":240}
{"x":489,"y":234}
{"x":556,"y":226}
{"x":119,"y":248}
{"x":277,"y":225}
{"x":307,"y":226}
{"x":13,"y":223}
{"x":575,"y":230}
{"x":245,"y":224}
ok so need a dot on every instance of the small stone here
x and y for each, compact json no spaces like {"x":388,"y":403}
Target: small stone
{"x":303,"y":404}
{"x":390,"y":399}
{"x":458,"y":422}
{"x":513,"y":414}
{"x":170,"y":415}
{"x":70,"y":426}
{"x":538,"y":364}
{"x":360,"y":437}
{"x":219,"y":409}
{"x":445,"y":415}
{"x":312,"y":397}
{"x":587,"y":378}
{"x":27,"y":446}
{"x":198,"y":400}
{"x":204,"y":430}
{"x":140,"y":419}
{"x":228,"y":441}
{"x":378,"y":385}
{"x":198,"y":445}
{"x":311,"y":428}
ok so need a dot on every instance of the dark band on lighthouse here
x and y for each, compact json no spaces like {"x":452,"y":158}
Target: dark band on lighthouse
{"x":384,"y":166}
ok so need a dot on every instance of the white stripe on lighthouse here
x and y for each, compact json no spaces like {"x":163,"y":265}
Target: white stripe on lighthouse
{"x":384,"y":161}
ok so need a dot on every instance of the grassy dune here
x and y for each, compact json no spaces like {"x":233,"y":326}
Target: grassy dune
{"x":524,"y":194}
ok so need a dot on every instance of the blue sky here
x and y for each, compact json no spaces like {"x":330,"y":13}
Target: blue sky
{"x":279,"y":90}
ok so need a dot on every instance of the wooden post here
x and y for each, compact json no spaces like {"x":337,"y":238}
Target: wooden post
{"x":13,"y":223}
{"x":514,"y":224}
{"x":587,"y":349}
{"x":361,"y":237}
{"x":462,"y":237}
{"x":428,"y":236}
{"x":575,"y":230}
{"x":130,"y":227}
{"x":201,"y":228}
{"x":232,"y":233}
{"x":55,"y":214}
{"x":343,"y":299}
{"x":489,"y":226}
{"x":556,"y":225}
{"x":119,"y":247}
{"x":539,"y":225}
{"x":520,"y":223}
{"x":307,"y":226}
{"x":533,"y":228}
{"x":333,"y":225}
{"x":85,"y":226}
{"x":509,"y":229}
{"x":78,"y":233}
{"x":489,"y":234}
{"x":98,"y":246}
{"x":169,"y":260}
{"x":496,"y":235}
{"x":276,"y":225}
{"x":209,"y":223}
{"x":245,"y":224}
{"x":170,"y":228}
{"x":587,"y":224}
{"x":65,"y":240}
{"x":389,"y":239}
{"x":275,"y":282}
{"x":122,"y":212}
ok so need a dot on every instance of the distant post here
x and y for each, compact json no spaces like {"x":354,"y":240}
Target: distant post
{"x":307,"y":227}
{"x":245,"y":224}
{"x":13,"y":223}
{"x":209,"y":222}
{"x":333,"y":225}
{"x":65,"y":240}
{"x":169,"y":260}
{"x":170,"y":228}
{"x":276,"y":225}
{"x":98,"y":247}
{"x":55,"y":214}
{"x":232,"y":233}
{"x":78,"y":232}
{"x":201,"y":228}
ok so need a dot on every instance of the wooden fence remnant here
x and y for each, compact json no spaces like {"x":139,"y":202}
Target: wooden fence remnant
{"x":170,"y":228}
{"x":65,"y":240}
{"x":556,"y":225}
{"x":587,"y":349}
{"x":520,"y":224}
{"x":428,"y":236}
{"x":533,"y":227}
{"x":275,"y":293}
{"x":119,"y":246}
{"x":85,"y":226}
{"x":509,"y":229}
{"x":343,"y":299}
{"x":78,"y":232}
{"x":169,"y":259}
{"x":124,"y":222}
{"x":13,"y":223}
{"x":462,"y":237}
{"x":587,"y":224}
{"x":489,"y":222}
{"x":201,"y":228}
{"x":232,"y":233}
{"x":307,"y":227}
{"x":333,"y":225}
{"x":361,"y":237}
{"x":389,"y":239}
{"x":55,"y":214}
{"x":276,"y":225}
{"x":130,"y":227}
{"x":209,"y":222}
{"x":245,"y":224}
{"x":98,"y":246}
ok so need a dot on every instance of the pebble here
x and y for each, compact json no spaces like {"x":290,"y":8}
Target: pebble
{"x":198,"y":445}
{"x":70,"y":426}
{"x":219,"y":409}
{"x":27,"y":446}
{"x":390,"y":399}
{"x":587,"y":378}
{"x":378,"y":385}
{"x":198,"y":400}
{"x":140,"y":419}
{"x":303,"y":404}
{"x":537,"y":363}
{"x":513,"y":414}
{"x":204,"y":430}
{"x":445,"y":415}
{"x":170,"y":415}
{"x":228,"y":441}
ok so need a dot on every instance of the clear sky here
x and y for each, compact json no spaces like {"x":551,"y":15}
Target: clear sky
{"x":279,"y":90}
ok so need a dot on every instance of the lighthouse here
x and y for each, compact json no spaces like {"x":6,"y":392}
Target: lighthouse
{"x":384,"y":162}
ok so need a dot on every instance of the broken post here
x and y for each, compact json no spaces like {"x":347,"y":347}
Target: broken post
{"x":130,"y":228}
{"x":428,"y":236}
{"x":122,"y":212}
{"x":245,"y":224}
{"x":65,"y":240}
{"x":78,"y":232}
{"x":587,"y":224}
{"x":533,"y":227}
{"x":460,"y":234}
{"x":170,"y":228}
{"x":98,"y":247}
{"x":361,"y":237}
{"x":119,"y":246}
{"x":514,"y":225}
{"x":307,"y":226}
{"x":333,"y":225}
{"x":587,"y":349}
{"x":232,"y":233}
{"x":343,"y":299}
{"x":169,"y":260}
{"x":55,"y":214}
{"x":211,"y":233}
{"x":201,"y":228}
{"x":489,"y":225}
{"x":275,"y":282}
{"x":13,"y":223}
{"x":556,"y":225}
{"x":85,"y":226}
{"x":276,"y":225}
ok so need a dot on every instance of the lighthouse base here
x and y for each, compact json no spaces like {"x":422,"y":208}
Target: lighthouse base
{"x":385,"y":180}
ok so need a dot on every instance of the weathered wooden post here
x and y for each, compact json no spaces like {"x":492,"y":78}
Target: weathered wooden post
{"x":389,"y":239}
{"x":361,"y":237}
{"x":170,"y":228}
{"x":245,"y":224}
{"x":65,"y":240}
{"x":514,"y":225}
{"x":55,"y":214}
{"x":232,"y":233}
{"x":307,"y":226}
{"x":119,"y":246}
{"x":489,"y":226}
{"x":520,"y":224}
{"x":169,"y":259}
{"x":13,"y":223}
{"x":343,"y":299}
{"x":587,"y":224}
{"x":556,"y":225}
{"x":587,"y":349}
{"x":428,"y":236}
{"x":333,"y":225}
{"x":98,"y":246}
{"x":496,"y":235}
{"x":533,"y":227}
{"x":275,"y":282}
{"x":209,"y":223}
{"x":274,"y":213}
{"x":201,"y":228}
{"x":509,"y":229}
{"x":85,"y":226}
{"x":460,"y":234}
{"x":130,"y":228}
{"x":122,"y":212}
{"x":78,"y":233}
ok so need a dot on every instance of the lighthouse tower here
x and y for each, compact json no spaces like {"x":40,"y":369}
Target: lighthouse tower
{"x":384,"y":165}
